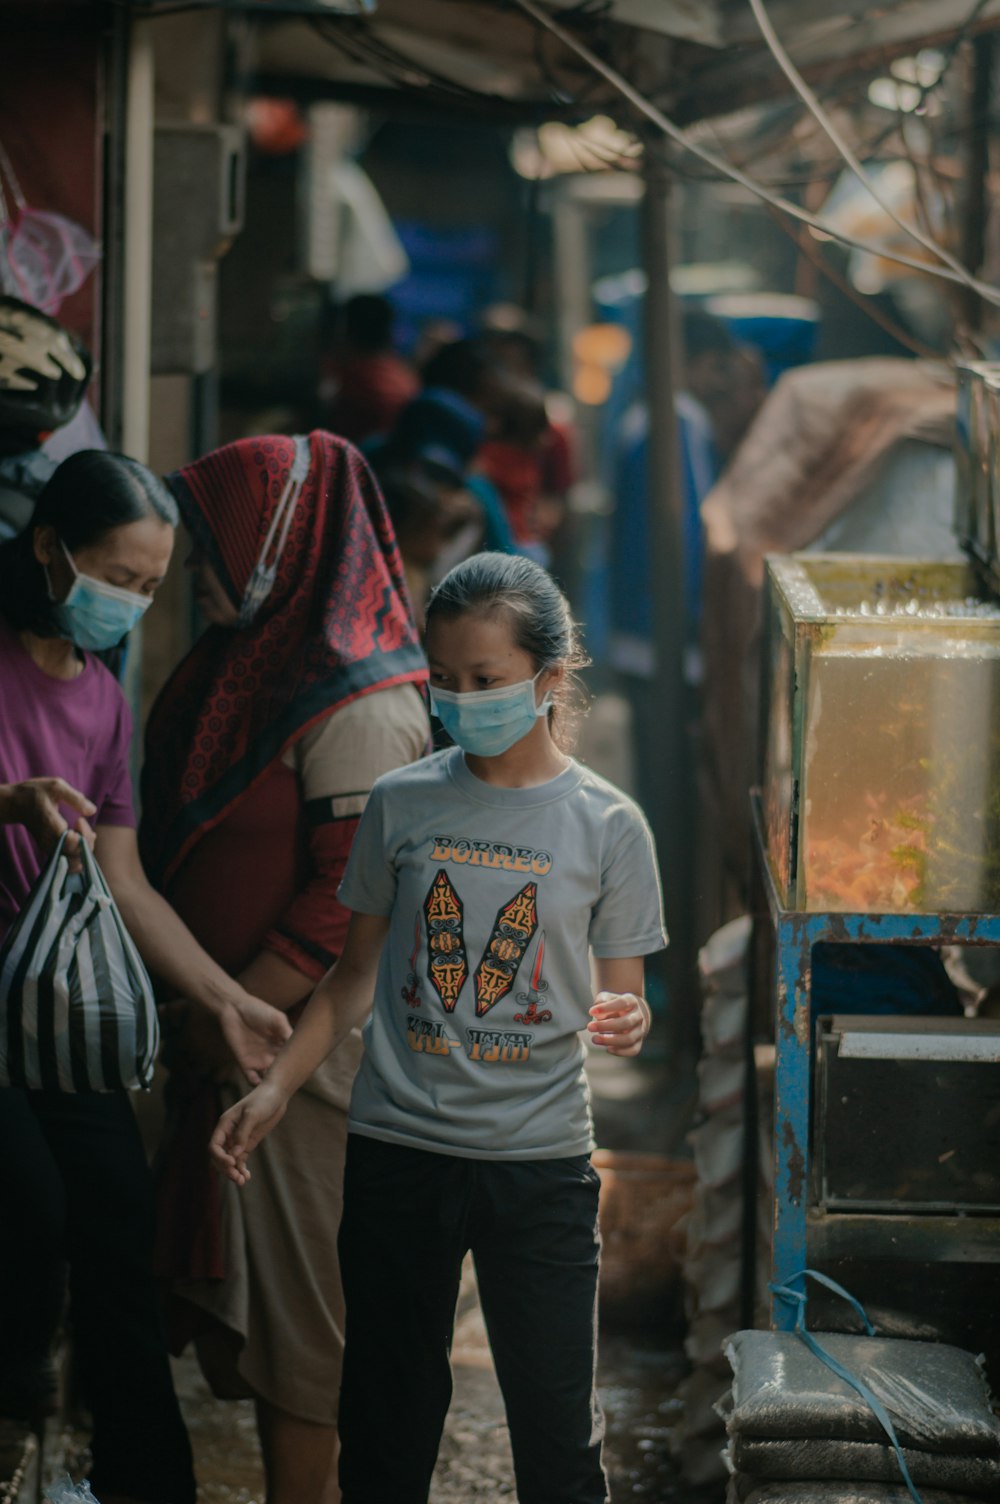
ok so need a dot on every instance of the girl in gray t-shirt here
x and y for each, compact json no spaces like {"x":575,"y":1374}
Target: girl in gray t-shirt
{"x":491,"y":886}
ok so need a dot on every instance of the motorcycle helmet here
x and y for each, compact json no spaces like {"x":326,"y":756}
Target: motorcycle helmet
{"x":44,"y":370}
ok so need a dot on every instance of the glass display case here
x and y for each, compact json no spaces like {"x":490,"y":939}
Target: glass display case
{"x":881,"y":736}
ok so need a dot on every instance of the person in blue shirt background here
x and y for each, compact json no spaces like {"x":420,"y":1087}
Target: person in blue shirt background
{"x":709,"y":349}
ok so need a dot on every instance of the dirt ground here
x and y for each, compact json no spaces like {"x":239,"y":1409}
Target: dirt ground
{"x":637,"y":1382}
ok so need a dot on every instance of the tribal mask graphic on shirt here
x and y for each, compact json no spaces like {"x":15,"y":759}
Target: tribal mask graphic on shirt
{"x":513,"y":929}
{"x":447,"y":963}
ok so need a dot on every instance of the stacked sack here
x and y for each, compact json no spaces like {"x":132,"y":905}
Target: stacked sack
{"x":713,"y":1234}
{"x":798,"y":1434}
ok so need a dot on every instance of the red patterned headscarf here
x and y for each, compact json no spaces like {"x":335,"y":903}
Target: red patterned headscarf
{"x":336,"y":625}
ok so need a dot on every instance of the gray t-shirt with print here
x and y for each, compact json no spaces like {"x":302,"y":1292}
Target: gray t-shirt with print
{"x":496,"y":897}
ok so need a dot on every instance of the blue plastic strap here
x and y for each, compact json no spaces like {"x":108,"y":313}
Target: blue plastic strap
{"x":798,"y":1299}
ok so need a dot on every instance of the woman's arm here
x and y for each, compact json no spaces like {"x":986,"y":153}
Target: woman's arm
{"x":340,"y":1003}
{"x":620,"y":1018}
{"x":272,"y":977}
{"x":336,"y":763}
{"x":252,"y":1028}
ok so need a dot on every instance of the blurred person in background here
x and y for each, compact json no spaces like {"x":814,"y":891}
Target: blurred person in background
{"x":469,"y":369}
{"x":733,"y":409}
{"x":364,"y":383}
{"x":434,"y":335}
{"x":516,"y":458}
{"x":706,"y":377}
{"x":441,"y":511}
{"x":540,"y":495}
{"x":509,"y":464}
{"x":260,"y":753}
{"x":707,"y":374}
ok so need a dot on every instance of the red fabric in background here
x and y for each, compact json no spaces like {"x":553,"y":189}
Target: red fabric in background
{"x":517,"y":474}
{"x":337,"y":624}
{"x":558,"y":467}
{"x":372,"y":391}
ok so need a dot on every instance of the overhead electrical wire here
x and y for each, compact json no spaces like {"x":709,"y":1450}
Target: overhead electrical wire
{"x":822,"y":119}
{"x":645,"y":106}
{"x":362,"y":44}
{"x":811,"y":251}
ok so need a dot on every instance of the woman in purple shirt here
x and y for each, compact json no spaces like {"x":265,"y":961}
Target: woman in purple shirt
{"x":74,"y":1186}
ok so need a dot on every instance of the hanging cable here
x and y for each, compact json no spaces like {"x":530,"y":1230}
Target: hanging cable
{"x":962,"y":277}
{"x":821,"y":117}
{"x":868,"y":307}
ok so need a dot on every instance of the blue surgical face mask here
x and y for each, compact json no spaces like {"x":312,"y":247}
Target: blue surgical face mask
{"x":488,"y":722}
{"x":96,"y":615}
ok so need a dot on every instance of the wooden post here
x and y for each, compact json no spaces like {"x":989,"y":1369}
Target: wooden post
{"x":665,"y":728}
{"x":977,"y":171}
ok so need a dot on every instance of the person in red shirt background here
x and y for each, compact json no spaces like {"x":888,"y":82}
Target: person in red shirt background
{"x":364,"y":384}
{"x":530,"y":457}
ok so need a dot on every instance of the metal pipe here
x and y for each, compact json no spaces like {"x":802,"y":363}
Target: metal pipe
{"x":138,"y":268}
{"x":665,"y":729}
{"x":115,"y":94}
{"x":137,"y":290}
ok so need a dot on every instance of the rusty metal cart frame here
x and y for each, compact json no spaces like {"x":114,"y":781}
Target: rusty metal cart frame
{"x":799,"y":1232}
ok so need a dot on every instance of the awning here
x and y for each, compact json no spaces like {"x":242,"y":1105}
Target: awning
{"x":696,"y":58}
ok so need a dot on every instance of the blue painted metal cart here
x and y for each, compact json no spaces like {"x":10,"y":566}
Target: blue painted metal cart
{"x":805,"y":1233}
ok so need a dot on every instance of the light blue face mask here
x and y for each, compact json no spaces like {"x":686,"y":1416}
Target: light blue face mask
{"x":96,"y":615}
{"x":488,"y":722}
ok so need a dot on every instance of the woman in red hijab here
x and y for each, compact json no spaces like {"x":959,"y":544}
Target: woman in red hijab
{"x":260,"y":753}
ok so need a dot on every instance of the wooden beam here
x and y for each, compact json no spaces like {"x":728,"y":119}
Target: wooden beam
{"x":975,"y":214}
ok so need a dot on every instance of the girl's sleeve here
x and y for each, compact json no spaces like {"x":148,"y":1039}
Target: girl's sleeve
{"x":337,"y":765}
{"x":627,"y":919}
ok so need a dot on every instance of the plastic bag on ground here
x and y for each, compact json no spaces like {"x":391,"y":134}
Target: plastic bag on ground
{"x":65,"y":1491}
{"x":723,"y":1023}
{"x":722,"y":959}
{"x":717,"y":1145}
{"x":936,"y":1396}
{"x":864,"y":1462}
{"x":721,"y":1081}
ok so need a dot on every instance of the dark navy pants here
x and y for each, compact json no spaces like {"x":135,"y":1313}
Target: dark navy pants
{"x":76,"y":1199}
{"x":409,"y":1219}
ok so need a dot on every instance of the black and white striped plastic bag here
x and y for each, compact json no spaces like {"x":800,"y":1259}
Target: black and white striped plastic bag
{"x":77,"y":1011}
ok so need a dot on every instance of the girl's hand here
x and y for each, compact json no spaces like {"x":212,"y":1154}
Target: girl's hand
{"x":619,"y":1022}
{"x":241,"y":1129}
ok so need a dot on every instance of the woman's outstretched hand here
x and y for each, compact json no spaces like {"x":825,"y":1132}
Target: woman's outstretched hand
{"x":241,"y":1129}
{"x":254,"y":1032}
{"x":619,"y":1022}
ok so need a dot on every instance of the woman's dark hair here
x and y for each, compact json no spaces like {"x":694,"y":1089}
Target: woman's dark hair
{"x":91,"y":493}
{"x":465,"y":366}
{"x":492,"y":584}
